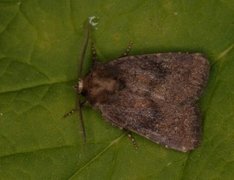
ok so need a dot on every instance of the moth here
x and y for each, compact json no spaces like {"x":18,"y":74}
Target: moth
{"x":152,"y":95}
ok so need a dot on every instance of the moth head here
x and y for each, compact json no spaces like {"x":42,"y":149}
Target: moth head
{"x":79,"y":86}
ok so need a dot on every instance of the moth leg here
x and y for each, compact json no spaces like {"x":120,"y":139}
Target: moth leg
{"x":132,"y":139}
{"x":73,"y":110}
{"x":94,"y":54}
{"x":69,"y":113}
{"x":78,"y":109}
{"x":126,"y":53}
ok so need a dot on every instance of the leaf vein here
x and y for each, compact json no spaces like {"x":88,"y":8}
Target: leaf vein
{"x":97,"y":156}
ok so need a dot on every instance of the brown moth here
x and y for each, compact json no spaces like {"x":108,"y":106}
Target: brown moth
{"x":152,"y":95}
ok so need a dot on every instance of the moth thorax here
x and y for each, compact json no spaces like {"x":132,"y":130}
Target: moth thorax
{"x":80,"y":85}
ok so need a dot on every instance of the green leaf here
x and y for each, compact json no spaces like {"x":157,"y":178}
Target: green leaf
{"x":40,"y":42}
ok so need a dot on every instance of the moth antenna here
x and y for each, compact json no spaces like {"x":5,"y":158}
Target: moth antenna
{"x":127,"y":51}
{"x":79,"y":104}
{"x":81,"y":119}
{"x":84,"y":48}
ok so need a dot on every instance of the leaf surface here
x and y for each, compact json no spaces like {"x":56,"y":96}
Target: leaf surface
{"x":40,"y":42}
